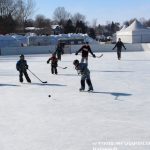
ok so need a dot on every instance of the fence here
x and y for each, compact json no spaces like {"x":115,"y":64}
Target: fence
{"x":68,"y":49}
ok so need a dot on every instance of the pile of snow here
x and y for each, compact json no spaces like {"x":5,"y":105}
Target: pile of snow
{"x":32,"y":39}
{"x":8,"y":41}
{"x":85,"y":37}
{"x":22,"y":40}
{"x":39,"y":40}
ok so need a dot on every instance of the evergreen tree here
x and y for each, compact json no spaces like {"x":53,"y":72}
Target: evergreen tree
{"x":69,"y":28}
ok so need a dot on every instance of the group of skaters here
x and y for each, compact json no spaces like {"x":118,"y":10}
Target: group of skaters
{"x":80,"y":66}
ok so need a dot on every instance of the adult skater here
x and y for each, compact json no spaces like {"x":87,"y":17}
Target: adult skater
{"x":119,"y":46}
{"x":85,"y":49}
{"x":85,"y":75}
{"x":54,"y":64}
{"x":22,"y":67}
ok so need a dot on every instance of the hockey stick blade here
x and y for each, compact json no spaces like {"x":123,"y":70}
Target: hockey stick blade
{"x":62,"y":67}
{"x":100,"y":56}
{"x":44,"y":82}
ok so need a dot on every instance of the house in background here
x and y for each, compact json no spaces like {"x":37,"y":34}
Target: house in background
{"x":56,"y":29}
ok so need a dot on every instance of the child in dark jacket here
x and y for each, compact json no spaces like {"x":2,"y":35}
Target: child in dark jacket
{"x":22,"y":67}
{"x":54,"y":64}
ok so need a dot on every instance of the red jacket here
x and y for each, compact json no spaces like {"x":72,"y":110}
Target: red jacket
{"x":53,"y":60}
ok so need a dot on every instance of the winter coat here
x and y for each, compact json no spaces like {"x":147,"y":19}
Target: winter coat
{"x":119,"y":45}
{"x":82,"y":69}
{"x":59,"y":50}
{"x":53,"y":60}
{"x":85,"y":50}
{"x":22,"y":65}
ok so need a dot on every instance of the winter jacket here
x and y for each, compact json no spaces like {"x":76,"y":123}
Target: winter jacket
{"x":119,"y":45}
{"x":59,"y":50}
{"x":53,"y":60}
{"x":22,"y":65}
{"x":85,"y":50}
{"x":82,"y":69}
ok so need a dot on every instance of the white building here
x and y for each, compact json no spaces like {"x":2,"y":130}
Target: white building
{"x":135,"y":33}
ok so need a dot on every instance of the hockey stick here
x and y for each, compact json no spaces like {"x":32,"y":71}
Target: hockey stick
{"x":62,"y":67}
{"x":96,"y":56}
{"x":100,"y":56}
{"x":37,"y":77}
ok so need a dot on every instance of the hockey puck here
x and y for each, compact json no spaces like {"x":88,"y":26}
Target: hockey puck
{"x":49,"y":95}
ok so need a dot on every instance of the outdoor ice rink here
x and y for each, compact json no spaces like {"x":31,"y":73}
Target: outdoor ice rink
{"x":118,"y":109}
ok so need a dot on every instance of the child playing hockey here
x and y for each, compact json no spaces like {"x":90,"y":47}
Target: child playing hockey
{"x":59,"y":51}
{"x":85,"y":49}
{"x":22,"y":67}
{"x":54,"y":62}
{"x":85,"y":75}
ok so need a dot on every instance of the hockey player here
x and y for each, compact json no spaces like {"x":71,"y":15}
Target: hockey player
{"x":59,"y":51}
{"x":22,"y":67}
{"x":85,"y":74}
{"x":85,"y":49}
{"x":54,"y":64}
{"x":119,"y":46}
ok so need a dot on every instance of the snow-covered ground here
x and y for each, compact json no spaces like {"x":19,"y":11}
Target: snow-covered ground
{"x":117,"y":111}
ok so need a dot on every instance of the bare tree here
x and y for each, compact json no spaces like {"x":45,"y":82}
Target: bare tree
{"x":43,"y":23}
{"x":78,"y":17}
{"x":7,"y":7}
{"x":61,"y":15}
{"x":24,"y":9}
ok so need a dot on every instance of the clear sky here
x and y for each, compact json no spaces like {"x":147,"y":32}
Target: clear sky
{"x":102,"y":10}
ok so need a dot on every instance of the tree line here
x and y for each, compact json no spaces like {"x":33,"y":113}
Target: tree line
{"x":15,"y":17}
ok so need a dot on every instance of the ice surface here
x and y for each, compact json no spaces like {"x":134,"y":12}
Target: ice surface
{"x":117,"y":110}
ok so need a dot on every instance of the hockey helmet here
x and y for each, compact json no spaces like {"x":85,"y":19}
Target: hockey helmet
{"x":21,"y":56}
{"x":76,"y":62}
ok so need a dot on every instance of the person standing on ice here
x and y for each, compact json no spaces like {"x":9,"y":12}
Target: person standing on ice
{"x":85,"y":49}
{"x":54,"y":64}
{"x":119,"y":46}
{"x":59,"y":51}
{"x":22,"y":67}
{"x":85,"y":75}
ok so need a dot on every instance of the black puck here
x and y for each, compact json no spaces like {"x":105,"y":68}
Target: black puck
{"x":49,"y":95}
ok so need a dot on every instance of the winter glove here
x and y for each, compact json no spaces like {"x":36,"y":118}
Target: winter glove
{"x":94,"y":55}
{"x":27,"y":67}
{"x":47,"y":61}
{"x":76,"y":53}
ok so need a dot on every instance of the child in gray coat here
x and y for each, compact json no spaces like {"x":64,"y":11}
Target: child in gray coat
{"x":85,"y":75}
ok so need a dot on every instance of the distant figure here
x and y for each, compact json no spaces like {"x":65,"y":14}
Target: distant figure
{"x":59,"y":51}
{"x":85,"y":74}
{"x":119,"y":45}
{"x":85,"y":51}
{"x":54,"y":64}
{"x":22,"y":67}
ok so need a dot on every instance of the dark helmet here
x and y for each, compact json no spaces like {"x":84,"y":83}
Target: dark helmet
{"x":76,"y":62}
{"x":21,"y":56}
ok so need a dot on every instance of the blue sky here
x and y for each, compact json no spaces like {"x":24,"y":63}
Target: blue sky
{"x":102,"y":10}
